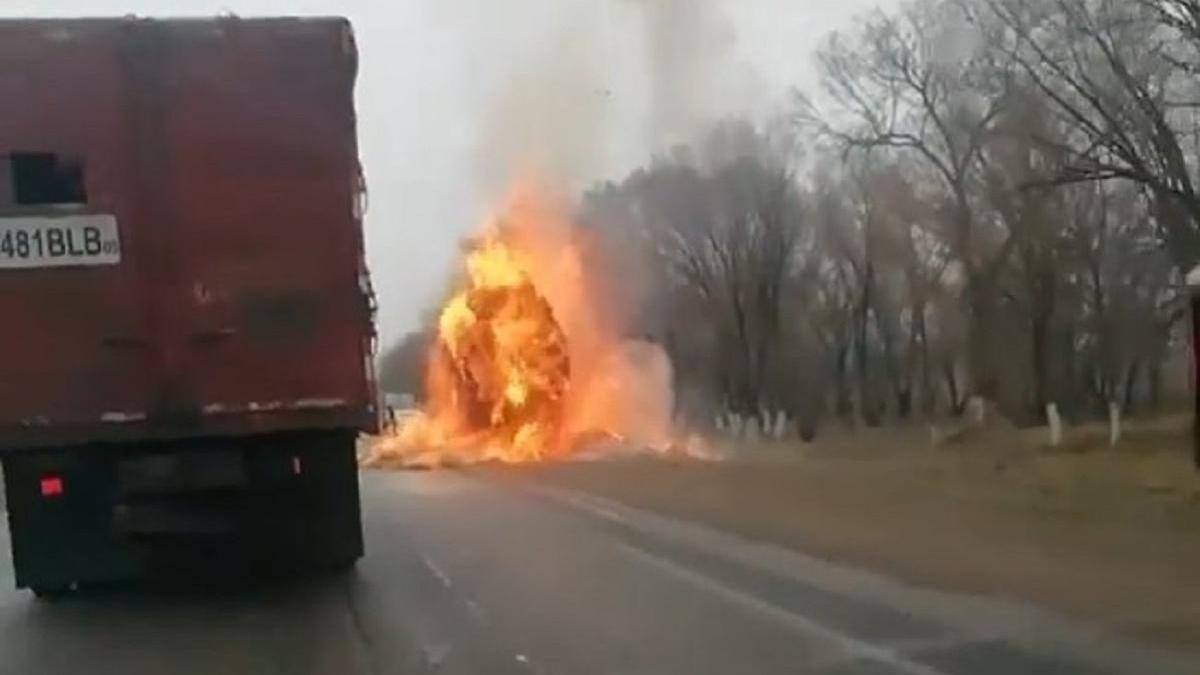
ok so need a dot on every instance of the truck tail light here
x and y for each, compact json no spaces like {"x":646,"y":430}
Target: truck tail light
{"x":52,"y":486}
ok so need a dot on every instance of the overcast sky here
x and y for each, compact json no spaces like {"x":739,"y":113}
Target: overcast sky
{"x":435,"y":73}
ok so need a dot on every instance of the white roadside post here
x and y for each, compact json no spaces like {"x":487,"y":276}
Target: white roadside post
{"x":1055,"y":421}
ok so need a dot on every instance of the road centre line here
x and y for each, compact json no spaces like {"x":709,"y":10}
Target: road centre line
{"x":853,"y":646}
{"x":437,"y":572}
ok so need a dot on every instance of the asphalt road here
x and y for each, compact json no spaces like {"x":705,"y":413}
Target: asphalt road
{"x":469,"y":574}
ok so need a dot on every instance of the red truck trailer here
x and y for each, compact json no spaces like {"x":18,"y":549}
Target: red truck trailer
{"x":186,"y":319}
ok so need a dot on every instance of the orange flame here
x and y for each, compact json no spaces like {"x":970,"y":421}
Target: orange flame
{"x":524,"y":366}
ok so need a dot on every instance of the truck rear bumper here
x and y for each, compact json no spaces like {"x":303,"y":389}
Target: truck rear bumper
{"x":235,"y":424}
{"x":100,"y":513}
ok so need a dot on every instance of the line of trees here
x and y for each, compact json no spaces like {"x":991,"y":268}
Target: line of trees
{"x":989,"y":198}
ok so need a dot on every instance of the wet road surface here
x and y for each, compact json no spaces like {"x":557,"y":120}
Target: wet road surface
{"x":474,"y":574}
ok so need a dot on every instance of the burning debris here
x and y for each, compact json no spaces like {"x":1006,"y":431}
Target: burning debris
{"x":524,"y":367}
{"x":499,"y":371}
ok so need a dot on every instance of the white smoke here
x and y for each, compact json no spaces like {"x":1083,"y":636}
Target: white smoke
{"x":613,"y":82}
{"x":695,"y":74}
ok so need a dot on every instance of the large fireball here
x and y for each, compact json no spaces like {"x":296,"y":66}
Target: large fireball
{"x":524,"y":365}
{"x":500,"y":370}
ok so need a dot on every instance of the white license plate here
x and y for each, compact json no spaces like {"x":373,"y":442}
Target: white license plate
{"x":62,"y":241}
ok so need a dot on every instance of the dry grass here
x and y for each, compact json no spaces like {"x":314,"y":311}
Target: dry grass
{"x":1109,"y":535}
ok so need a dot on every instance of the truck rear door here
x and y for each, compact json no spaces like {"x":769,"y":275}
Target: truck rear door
{"x":265,"y":240}
{"x":73,"y":327}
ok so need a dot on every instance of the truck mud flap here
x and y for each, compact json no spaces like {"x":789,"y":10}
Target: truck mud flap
{"x":305,"y":502}
{"x":59,"y":517}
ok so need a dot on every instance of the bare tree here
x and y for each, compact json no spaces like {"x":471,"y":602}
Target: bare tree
{"x":1125,"y":309}
{"x":911,"y":259}
{"x":997,"y":202}
{"x":726,"y":223}
{"x":921,"y":83}
{"x":1122,"y":75}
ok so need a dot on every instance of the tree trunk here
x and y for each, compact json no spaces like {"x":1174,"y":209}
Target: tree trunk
{"x":1131,"y":387}
{"x":1039,"y":334}
{"x":843,"y":408}
{"x":866,"y":402}
{"x":1068,"y":392}
{"x":1155,"y":385}
{"x":1114,"y":423}
{"x":952,"y":389}
{"x":898,"y":377}
{"x":983,"y":380}
{"x":1043,"y":291}
{"x":1098,"y":388}
{"x":928,"y":390}
{"x":904,"y":404}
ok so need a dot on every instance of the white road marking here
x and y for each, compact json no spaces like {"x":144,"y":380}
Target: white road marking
{"x":435,"y":655}
{"x":853,"y":646}
{"x":474,"y":608}
{"x":437,"y":572}
{"x":522,"y":658}
{"x":606,"y":513}
{"x":589,"y":503}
